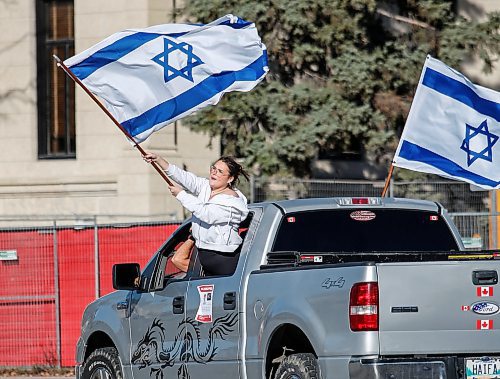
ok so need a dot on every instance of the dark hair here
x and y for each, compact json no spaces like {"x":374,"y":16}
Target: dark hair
{"x":235,"y":169}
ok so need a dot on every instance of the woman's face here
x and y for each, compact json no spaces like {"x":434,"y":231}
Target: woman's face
{"x":219,"y":175}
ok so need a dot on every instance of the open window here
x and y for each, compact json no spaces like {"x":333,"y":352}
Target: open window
{"x":178,"y":243}
{"x":162,"y":268}
{"x":166,"y":270}
{"x":243,"y":229}
{"x":197,"y":270}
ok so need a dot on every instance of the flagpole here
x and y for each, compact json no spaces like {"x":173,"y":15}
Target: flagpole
{"x":61,"y":64}
{"x":388,"y":180}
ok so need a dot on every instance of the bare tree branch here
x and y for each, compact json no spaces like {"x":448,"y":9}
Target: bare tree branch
{"x":406,"y":20}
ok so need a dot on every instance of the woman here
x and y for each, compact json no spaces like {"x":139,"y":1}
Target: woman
{"x":218,"y":209}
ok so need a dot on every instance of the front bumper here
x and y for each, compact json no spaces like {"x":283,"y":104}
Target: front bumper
{"x":403,"y":368}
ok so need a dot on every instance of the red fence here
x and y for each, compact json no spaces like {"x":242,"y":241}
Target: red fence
{"x":44,"y":291}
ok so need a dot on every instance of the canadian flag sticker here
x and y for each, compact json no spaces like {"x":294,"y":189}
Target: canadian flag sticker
{"x":484,"y":324}
{"x":484,"y":291}
{"x":465,"y":308}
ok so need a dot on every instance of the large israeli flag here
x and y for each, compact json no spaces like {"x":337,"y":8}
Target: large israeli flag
{"x":148,"y":78}
{"x":452,"y":129}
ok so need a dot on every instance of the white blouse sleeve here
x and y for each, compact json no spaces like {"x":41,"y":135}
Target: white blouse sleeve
{"x":188,"y":180}
{"x":210,"y":213}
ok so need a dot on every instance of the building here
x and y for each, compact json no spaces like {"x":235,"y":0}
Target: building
{"x":61,"y":155}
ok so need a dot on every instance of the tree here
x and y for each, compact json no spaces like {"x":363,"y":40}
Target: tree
{"x":342,"y":75}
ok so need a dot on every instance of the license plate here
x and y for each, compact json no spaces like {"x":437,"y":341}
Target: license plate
{"x":482,"y":368}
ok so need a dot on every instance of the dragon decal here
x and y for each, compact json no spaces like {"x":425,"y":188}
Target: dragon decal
{"x":151,"y":349}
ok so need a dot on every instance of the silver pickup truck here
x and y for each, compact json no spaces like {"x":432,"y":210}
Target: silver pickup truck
{"x":324,"y":288}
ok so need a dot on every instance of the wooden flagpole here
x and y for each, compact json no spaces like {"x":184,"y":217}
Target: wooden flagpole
{"x":388,"y":180}
{"x":61,"y":64}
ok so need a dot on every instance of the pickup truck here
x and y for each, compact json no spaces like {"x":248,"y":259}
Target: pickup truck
{"x":324,"y":288}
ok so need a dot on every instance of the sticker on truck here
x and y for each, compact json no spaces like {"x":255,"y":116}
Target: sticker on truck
{"x":484,"y":324}
{"x":362,"y":215}
{"x":204,"y":313}
{"x":484,"y":291}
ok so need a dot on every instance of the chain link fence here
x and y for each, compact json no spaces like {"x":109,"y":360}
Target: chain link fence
{"x":48,"y":275}
{"x":474,"y":212}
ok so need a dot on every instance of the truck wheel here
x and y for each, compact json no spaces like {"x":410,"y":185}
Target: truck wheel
{"x":102,"y":364}
{"x":298,"y":366}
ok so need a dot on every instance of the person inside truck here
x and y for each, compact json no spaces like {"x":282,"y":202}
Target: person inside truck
{"x":218,"y":208}
{"x":182,"y":254}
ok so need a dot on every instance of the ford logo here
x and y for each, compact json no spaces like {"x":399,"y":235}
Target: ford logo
{"x":485,"y":308}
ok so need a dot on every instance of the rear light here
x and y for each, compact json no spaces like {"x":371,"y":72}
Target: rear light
{"x":363,"y":307}
{"x":359,"y":201}
{"x":363,"y":200}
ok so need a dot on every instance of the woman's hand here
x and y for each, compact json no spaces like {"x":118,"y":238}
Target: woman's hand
{"x":174,"y":190}
{"x":153,"y":157}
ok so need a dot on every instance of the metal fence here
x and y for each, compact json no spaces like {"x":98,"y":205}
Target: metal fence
{"x":474,"y":212}
{"x":51,"y":271}
{"x":49,"y":274}
{"x":454,"y":196}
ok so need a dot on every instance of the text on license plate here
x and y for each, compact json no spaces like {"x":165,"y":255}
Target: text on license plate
{"x":486,"y":368}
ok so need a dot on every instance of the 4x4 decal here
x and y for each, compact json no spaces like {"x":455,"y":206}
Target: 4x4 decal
{"x":186,"y":346}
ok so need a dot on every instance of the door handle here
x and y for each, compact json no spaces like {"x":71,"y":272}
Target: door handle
{"x":122,"y":305}
{"x":485,"y":277}
{"x":178,"y":305}
{"x":230,"y":301}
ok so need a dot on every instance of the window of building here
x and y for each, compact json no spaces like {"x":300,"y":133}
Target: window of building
{"x":56,"y":91}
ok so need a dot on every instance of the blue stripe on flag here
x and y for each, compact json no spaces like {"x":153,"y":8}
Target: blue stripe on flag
{"x":113,"y":52}
{"x":414,"y":152}
{"x":460,"y":92}
{"x":240,"y":24}
{"x":198,"y":94}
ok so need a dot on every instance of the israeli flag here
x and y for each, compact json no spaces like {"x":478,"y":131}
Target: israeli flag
{"x":452,"y":129}
{"x":148,"y":78}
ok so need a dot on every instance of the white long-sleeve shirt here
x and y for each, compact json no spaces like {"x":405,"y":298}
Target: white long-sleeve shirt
{"x":216,"y":220}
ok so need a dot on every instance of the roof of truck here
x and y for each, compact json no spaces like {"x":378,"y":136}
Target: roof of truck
{"x":297,"y":205}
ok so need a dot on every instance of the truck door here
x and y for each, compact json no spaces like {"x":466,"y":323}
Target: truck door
{"x":212,"y":326}
{"x":213,"y":320}
{"x":157,"y":317}
{"x":439,"y":307}
{"x":154,"y":330}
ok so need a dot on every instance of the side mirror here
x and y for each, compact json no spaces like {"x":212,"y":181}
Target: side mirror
{"x":126,"y":276}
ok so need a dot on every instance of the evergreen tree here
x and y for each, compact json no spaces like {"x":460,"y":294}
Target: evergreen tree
{"x":342,"y":75}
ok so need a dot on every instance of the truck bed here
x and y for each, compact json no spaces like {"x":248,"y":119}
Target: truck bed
{"x":294,"y":258}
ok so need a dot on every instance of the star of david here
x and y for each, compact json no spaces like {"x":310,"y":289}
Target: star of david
{"x":170,"y":72}
{"x":480,"y":132}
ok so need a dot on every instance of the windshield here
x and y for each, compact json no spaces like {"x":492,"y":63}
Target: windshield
{"x":363,"y":230}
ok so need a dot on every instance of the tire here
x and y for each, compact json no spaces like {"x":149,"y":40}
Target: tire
{"x":102,"y":364}
{"x":298,"y":366}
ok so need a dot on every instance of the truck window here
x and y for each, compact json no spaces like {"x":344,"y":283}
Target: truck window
{"x":364,"y":230}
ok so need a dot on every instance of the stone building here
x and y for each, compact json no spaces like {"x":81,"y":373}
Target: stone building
{"x":61,"y":155}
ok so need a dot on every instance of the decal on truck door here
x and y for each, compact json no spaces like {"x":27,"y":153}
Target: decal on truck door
{"x":152,"y":349}
{"x":204,"y":313}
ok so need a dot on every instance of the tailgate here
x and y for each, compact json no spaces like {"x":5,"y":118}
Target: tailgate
{"x":434,"y":307}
